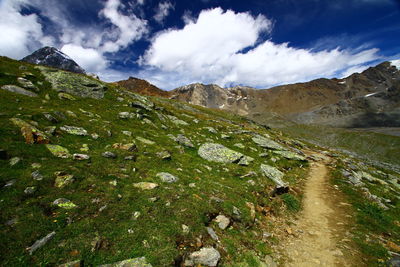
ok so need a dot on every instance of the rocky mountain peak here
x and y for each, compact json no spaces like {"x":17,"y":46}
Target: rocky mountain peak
{"x":52,"y":57}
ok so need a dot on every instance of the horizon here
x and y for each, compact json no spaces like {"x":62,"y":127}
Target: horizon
{"x":168,"y":43}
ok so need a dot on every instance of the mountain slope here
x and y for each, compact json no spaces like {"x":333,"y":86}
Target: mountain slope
{"x":142,"y":87}
{"x":52,"y":57}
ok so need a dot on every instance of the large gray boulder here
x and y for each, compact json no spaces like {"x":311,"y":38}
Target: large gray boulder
{"x":207,"y":256}
{"x":219,"y":153}
{"x":18,"y":90}
{"x":276,"y":176}
{"x":267,"y":143}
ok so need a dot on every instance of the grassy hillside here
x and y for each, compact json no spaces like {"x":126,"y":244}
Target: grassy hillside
{"x":109,"y":217}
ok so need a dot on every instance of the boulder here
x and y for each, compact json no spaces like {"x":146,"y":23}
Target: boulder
{"x":74,"y":130}
{"x":177,"y":121}
{"x":58,"y":151}
{"x":183,"y":140}
{"x":129,"y":147}
{"x":40,"y":243}
{"x":26,"y":83}
{"x":290,"y":155}
{"x":80,"y":157}
{"x":167,"y":177}
{"x":31,"y":134}
{"x":164,"y":155}
{"x":109,"y":155}
{"x":18,"y":90}
{"x":276,"y":176}
{"x":222,"y":221}
{"x":135,"y":262}
{"x":63,"y":179}
{"x":145,"y":185}
{"x":267,"y":143}
{"x":219,"y":153}
{"x":207,"y":256}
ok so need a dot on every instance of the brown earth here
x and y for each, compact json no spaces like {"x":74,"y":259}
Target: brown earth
{"x":143,"y":87}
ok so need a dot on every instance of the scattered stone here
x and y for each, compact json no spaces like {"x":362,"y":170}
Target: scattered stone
{"x":14,"y":161}
{"x":18,"y":90}
{"x":245,"y":161}
{"x":145,"y":141}
{"x":164,"y":155}
{"x":236,"y":212}
{"x":26,"y":83}
{"x":207,"y":256}
{"x":50,"y":130}
{"x":80,"y":157}
{"x":276,"y":176}
{"x":71,"y":114}
{"x":30,"y":190}
{"x":65,"y":96}
{"x":223,"y":221}
{"x":10,"y":183}
{"x":131,"y":147}
{"x":219,"y":153}
{"x":290,"y":155}
{"x":211,"y":130}
{"x":224,"y":136}
{"x":58,"y":151}
{"x":136,"y":215}
{"x":126,"y":115}
{"x":145,"y":185}
{"x":132,"y":157}
{"x":177,"y":121}
{"x":127,"y":133}
{"x":185,"y":229}
{"x":239,"y":145}
{"x":109,"y":155}
{"x":183,"y":140}
{"x":212,"y":233}
{"x":267,"y":143}
{"x":41,"y":242}
{"x":135,"y":262}
{"x":167,"y":177}
{"x":192,"y":185}
{"x":36,"y":175}
{"x":77,"y":263}
{"x":74,"y":130}
{"x":64,"y":203}
{"x":95,"y":136}
{"x":31,"y":134}
{"x":36,"y":165}
{"x":63,"y":179}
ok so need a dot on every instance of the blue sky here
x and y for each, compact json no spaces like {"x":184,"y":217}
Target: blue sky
{"x":259,"y":43}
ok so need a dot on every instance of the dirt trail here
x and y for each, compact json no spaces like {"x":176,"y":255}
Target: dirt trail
{"x":322,"y":226}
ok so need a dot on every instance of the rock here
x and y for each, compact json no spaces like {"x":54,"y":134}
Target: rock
{"x":30,"y":190}
{"x":18,"y":90}
{"x":65,"y":96}
{"x":290,"y":155}
{"x":212,"y":233}
{"x":223,"y":221}
{"x":185,"y":229}
{"x":126,"y":115}
{"x":14,"y":161}
{"x":10,"y":183}
{"x":36,"y":165}
{"x":211,"y":130}
{"x":131,"y":147}
{"x":3,"y":154}
{"x":135,"y":262}
{"x":267,"y":143}
{"x":167,"y":177}
{"x":41,"y":242}
{"x":58,"y":151}
{"x":109,"y":155}
{"x":218,"y":153}
{"x":183,"y":140}
{"x":141,"y":105}
{"x":177,"y":121}
{"x":276,"y":176}
{"x":164,"y":155}
{"x":132,"y":157}
{"x":269,"y":262}
{"x":26,"y":83}
{"x":239,"y":145}
{"x":224,"y":136}
{"x":145,"y":185}
{"x":207,"y":256}
{"x":71,"y":114}
{"x":145,"y":141}
{"x":74,"y":130}
{"x":31,"y":134}
{"x":77,"y":263}
{"x":127,"y":133}
{"x":80,"y":157}
{"x":84,"y":148}
{"x":236,"y":212}
{"x":95,"y":136}
{"x":245,"y":161}
{"x":36,"y":175}
{"x":64,"y":203}
{"x":50,"y":130}
{"x":136,"y":215}
{"x":63,"y":179}
{"x":50,"y":117}
{"x":252,"y":210}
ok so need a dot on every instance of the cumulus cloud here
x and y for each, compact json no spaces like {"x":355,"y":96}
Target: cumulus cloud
{"x":88,"y":58}
{"x":224,"y":47}
{"x":163,"y":11}
{"x":21,"y":33}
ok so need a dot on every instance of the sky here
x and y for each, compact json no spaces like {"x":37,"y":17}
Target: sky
{"x":171,"y":43}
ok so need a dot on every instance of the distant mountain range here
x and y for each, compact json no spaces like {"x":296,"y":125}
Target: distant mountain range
{"x":367,"y":99}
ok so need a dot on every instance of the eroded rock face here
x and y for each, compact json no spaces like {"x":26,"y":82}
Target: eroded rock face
{"x":219,"y":153}
{"x":52,"y":57}
{"x":77,"y":85}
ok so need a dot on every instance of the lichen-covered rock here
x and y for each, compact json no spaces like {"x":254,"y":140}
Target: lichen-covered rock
{"x":64,"y":203}
{"x":136,"y":262}
{"x":245,"y":160}
{"x":74,"y":130}
{"x":167,"y":177}
{"x":145,"y":185}
{"x":65,"y":96}
{"x":126,"y":115}
{"x":31,"y":134}
{"x":18,"y":90}
{"x":26,"y":83}
{"x":276,"y":176}
{"x":267,"y":143}
{"x":183,"y":140}
{"x":63,"y":179}
{"x":145,"y":141}
{"x":222,"y":221}
{"x":129,"y":147}
{"x":78,"y":85}
{"x":290,"y":155}
{"x":177,"y":121}
{"x":80,"y":156}
{"x":58,"y":151}
{"x":219,"y":153}
{"x":207,"y":256}
{"x":164,"y":155}
{"x":109,"y":155}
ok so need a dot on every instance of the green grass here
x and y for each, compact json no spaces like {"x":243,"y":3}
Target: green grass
{"x":157,"y":232}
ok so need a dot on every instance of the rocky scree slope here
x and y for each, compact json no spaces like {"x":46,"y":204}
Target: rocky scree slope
{"x":360,"y":100}
{"x":52,"y":57}
{"x":92,"y":174}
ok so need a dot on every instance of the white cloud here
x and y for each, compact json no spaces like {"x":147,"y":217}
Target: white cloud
{"x":88,"y":58}
{"x":20,"y":33}
{"x":224,"y":48}
{"x":163,"y":11}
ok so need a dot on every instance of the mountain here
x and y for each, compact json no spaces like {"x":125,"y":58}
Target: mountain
{"x":357,"y":100}
{"x":142,"y":87}
{"x":52,"y":57}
